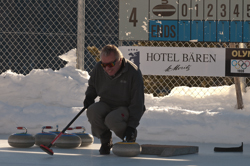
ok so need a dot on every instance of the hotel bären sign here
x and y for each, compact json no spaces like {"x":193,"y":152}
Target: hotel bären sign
{"x":195,"y":61}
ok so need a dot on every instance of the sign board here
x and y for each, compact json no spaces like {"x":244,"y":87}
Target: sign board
{"x":133,"y":24}
{"x":182,"y":61}
{"x":238,"y":62}
{"x":185,"y":20}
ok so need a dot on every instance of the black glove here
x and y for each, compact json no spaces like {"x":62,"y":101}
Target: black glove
{"x":130,"y":134}
{"x":87,"y":102}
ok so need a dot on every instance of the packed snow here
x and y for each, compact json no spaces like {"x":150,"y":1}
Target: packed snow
{"x":49,"y":98}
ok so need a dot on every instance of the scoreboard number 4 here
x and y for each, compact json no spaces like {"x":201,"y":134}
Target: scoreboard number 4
{"x":132,"y":17}
{"x":236,"y":10}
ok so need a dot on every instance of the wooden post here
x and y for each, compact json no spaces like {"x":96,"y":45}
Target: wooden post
{"x":243,"y":79}
{"x":80,"y":35}
{"x":238,"y":93}
{"x":237,"y":87}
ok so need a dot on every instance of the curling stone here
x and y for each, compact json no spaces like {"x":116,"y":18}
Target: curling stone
{"x":87,"y":139}
{"x":68,"y":140}
{"x":21,"y":140}
{"x":56,"y":131}
{"x":126,"y":149}
{"x":44,"y":138}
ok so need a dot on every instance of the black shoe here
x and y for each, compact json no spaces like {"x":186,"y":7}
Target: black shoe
{"x":107,"y":144}
{"x":105,"y":149}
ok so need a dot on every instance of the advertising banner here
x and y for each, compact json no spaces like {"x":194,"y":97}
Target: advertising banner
{"x":238,"y":62}
{"x":179,"y":61}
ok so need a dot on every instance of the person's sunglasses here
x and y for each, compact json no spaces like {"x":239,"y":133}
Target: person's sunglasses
{"x":111,"y":64}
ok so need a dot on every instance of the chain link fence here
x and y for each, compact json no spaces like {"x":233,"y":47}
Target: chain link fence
{"x":34,"y":33}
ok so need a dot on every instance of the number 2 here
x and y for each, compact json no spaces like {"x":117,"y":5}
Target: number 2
{"x":132,"y":17}
{"x":209,"y":12}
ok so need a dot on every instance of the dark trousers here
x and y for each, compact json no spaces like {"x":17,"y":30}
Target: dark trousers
{"x":102,"y":118}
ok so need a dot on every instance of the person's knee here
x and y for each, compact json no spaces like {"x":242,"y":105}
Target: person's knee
{"x":98,"y":109}
{"x":117,"y":118}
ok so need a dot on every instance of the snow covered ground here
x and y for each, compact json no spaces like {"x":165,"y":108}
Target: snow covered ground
{"x":47,"y":97}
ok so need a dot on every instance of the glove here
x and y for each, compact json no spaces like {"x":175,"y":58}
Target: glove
{"x":130,"y":134}
{"x":87,"y":102}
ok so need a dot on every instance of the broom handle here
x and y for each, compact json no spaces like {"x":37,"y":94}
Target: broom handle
{"x":63,"y":131}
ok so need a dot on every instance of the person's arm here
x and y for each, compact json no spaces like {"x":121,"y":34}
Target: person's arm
{"x":136,"y":107}
{"x":90,"y":93}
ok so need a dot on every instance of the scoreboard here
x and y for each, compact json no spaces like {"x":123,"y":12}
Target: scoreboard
{"x":185,"y":20}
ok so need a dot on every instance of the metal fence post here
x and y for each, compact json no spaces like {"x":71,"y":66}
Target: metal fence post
{"x":80,"y":35}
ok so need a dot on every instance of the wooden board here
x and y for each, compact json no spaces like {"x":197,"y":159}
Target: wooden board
{"x":168,"y":150}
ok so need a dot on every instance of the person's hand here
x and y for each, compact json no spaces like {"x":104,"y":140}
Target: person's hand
{"x":87,"y":102}
{"x":130,"y":134}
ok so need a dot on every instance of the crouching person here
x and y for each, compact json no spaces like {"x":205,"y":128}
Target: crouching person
{"x":119,"y":84}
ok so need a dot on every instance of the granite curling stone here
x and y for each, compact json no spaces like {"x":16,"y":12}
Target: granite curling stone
{"x":86,"y":138}
{"x":21,"y":140}
{"x":56,"y":131}
{"x":68,"y":140}
{"x":44,"y":138}
{"x":126,"y":149}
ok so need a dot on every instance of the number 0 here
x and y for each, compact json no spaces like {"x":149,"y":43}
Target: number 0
{"x":132,"y":17}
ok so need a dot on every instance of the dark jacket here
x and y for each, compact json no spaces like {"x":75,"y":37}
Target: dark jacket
{"x":125,"y":89}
